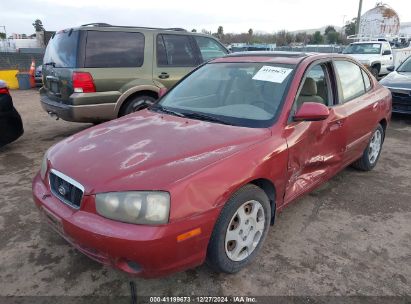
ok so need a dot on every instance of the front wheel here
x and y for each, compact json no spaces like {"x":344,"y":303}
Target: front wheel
{"x":240,"y":230}
{"x":372,"y":152}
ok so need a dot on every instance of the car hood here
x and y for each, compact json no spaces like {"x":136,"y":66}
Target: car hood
{"x":363,"y":58}
{"x":147,"y":151}
{"x":397,"y":80}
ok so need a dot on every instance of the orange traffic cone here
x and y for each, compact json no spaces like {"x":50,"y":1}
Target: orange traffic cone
{"x":32,"y":74}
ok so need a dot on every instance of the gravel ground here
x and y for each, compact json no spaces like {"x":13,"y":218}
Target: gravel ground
{"x":352,"y":236}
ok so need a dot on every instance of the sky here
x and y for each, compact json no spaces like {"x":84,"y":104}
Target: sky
{"x":235,"y":16}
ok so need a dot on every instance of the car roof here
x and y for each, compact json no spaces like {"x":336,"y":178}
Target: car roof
{"x":270,"y":56}
{"x":122,"y":28}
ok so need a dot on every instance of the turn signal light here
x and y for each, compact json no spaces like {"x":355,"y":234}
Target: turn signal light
{"x":189,"y":234}
{"x":83,"y":82}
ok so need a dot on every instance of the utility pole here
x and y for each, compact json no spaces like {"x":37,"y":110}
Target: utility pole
{"x":357,"y":25}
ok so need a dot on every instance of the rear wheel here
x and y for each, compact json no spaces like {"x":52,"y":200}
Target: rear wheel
{"x":240,"y":230}
{"x":136,"y":104}
{"x":372,"y":152}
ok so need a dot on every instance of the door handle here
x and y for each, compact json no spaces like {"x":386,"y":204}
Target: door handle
{"x":163,"y":75}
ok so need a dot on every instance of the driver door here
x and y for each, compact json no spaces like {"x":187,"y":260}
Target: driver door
{"x":315,"y":148}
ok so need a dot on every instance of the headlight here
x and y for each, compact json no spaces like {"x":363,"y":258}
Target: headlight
{"x":43,"y":168}
{"x":136,"y":207}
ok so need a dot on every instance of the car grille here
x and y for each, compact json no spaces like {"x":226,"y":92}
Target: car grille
{"x":66,"y":189}
{"x":401,"y":101}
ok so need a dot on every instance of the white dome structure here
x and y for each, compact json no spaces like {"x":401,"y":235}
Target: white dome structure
{"x":381,"y":21}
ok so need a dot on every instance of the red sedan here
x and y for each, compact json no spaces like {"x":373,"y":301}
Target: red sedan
{"x":201,"y":174}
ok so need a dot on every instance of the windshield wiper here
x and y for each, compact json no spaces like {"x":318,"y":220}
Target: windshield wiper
{"x":206,"y":117}
{"x":53,"y":64}
{"x":167,"y":111}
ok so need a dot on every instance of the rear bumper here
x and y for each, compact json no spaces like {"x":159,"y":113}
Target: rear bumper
{"x":80,"y":113}
{"x":146,"y":251}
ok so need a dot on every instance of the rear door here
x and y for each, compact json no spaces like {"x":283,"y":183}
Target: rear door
{"x":60,"y":59}
{"x":176,"y":56}
{"x":359,"y":103}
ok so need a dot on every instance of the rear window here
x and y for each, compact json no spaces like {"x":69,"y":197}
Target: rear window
{"x":62,"y":50}
{"x":114,"y":49}
{"x":351,"y":79}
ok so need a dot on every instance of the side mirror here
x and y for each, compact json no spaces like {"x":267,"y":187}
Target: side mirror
{"x":311,"y":111}
{"x":386,"y":52}
{"x":162,"y":92}
{"x":391,"y":68}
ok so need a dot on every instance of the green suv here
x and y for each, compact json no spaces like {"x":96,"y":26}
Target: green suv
{"x":98,"y":72}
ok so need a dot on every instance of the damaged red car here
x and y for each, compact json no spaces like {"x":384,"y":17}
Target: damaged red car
{"x":201,"y":174}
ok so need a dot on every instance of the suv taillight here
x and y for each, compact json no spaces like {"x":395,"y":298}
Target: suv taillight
{"x":83,"y":82}
{"x":4,"y":91}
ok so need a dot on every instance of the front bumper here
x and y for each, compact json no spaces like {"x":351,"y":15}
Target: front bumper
{"x":146,"y":251}
{"x":401,"y":100}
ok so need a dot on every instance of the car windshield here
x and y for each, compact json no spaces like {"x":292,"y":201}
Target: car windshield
{"x":363,"y":48}
{"x":405,"y":66}
{"x":61,"y":50}
{"x":242,"y":94}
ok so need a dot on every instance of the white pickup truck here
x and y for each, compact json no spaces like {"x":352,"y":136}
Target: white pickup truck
{"x":377,"y":56}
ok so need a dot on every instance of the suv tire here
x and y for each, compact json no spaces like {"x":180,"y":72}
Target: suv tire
{"x":136,"y":103}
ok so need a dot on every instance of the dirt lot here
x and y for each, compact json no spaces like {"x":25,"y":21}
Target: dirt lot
{"x":350,"y":237}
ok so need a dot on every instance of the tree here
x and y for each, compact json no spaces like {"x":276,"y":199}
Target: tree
{"x":38,"y":25}
{"x":204,"y":31}
{"x":220,"y":31}
{"x":349,"y":27}
{"x":332,"y":37}
{"x":318,"y":38}
{"x":250,"y":32}
{"x":2,"y":35}
{"x":329,"y":29}
{"x":194,"y":31}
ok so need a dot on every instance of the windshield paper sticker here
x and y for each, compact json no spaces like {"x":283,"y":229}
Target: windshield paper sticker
{"x":272,"y":74}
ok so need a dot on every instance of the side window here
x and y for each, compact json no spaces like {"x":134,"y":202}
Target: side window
{"x":175,"y":50}
{"x":209,"y":48}
{"x":351,"y":80}
{"x":367,"y":81}
{"x":386,"y":47}
{"x":114,"y":49}
{"x":315,"y":88}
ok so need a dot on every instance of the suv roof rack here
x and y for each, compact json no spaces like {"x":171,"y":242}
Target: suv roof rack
{"x":102,"y":24}
{"x":270,"y":53}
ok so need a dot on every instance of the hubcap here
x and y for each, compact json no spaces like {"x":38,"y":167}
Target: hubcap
{"x":375,"y":146}
{"x":244,"y":231}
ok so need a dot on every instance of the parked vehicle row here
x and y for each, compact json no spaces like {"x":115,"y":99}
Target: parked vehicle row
{"x":200,"y":175}
{"x":377,"y":56}
{"x":99,"y":72}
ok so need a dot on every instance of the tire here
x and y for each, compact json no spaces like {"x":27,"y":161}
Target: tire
{"x":222,"y":252}
{"x":136,"y":103}
{"x":375,"y":72}
{"x":372,"y":152}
